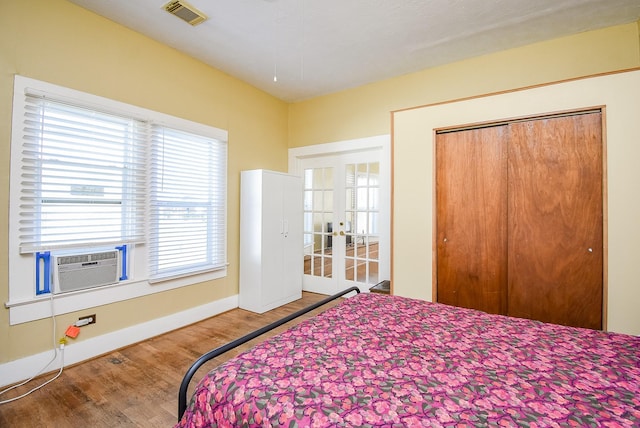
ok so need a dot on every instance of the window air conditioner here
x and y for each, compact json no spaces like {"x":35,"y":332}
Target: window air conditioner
{"x":72,"y":272}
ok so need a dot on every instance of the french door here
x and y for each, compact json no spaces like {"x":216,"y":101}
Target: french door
{"x":346,"y":220}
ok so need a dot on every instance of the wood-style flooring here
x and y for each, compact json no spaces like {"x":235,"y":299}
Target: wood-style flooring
{"x":137,"y":386}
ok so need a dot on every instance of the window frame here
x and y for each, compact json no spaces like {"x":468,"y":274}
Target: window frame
{"x":60,"y":145}
{"x":24,"y":304}
{"x":160,"y":199}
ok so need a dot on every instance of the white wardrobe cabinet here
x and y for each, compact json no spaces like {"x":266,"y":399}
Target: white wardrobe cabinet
{"x":271,"y":243}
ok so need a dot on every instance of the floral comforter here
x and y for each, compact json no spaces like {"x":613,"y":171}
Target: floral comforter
{"x":377,"y":360}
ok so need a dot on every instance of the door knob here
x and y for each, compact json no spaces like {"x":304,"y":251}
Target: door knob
{"x":342,"y":233}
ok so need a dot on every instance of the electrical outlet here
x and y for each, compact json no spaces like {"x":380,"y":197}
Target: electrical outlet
{"x":92,"y":319}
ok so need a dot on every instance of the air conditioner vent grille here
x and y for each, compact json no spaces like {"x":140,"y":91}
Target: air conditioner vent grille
{"x":73,"y":272}
{"x":185,"y":11}
{"x":85,"y":258}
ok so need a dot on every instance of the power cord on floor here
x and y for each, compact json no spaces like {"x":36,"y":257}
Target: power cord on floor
{"x":56,"y":347}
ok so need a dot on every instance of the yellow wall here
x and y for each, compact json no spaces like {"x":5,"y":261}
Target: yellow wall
{"x":58,"y":42}
{"x":364,"y":111}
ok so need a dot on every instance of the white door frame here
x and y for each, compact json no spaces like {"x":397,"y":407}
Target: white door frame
{"x":382,"y":143}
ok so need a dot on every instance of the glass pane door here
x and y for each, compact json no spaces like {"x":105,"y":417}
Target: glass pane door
{"x":362,"y":191}
{"x":343,"y":232}
{"x":318,"y":221}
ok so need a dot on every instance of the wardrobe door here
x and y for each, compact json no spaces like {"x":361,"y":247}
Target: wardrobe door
{"x":471,"y":210}
{"x":555,"y":244}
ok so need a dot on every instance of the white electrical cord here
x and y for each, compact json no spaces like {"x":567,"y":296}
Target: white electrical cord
{"x":55,"y":355}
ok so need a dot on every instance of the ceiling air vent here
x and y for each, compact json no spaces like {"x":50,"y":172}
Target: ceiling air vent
{"x":185,"y":11}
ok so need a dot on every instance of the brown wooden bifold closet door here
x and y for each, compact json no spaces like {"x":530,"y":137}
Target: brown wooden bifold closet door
{"x":555,"y":220}
{"x":519,"y":215}
{"x":471,"y":182}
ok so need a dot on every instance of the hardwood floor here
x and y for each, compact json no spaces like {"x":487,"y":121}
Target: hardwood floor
{"x":138,"y":385}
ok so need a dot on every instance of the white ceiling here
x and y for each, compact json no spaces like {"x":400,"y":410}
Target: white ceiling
{"x":324,"y":46}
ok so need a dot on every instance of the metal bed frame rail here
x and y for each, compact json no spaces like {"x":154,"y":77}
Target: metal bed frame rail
{"x":182,"y":394}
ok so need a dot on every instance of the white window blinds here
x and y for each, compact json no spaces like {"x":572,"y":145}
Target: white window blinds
{"x":82,"y":177}
{"x":187,"y":230}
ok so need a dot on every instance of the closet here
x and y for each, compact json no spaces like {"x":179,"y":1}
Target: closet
{"x":519,"y":218}
{"x":270,"y":239}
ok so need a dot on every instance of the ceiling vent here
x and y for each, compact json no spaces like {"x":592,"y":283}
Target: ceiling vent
{"x":185,"y":11}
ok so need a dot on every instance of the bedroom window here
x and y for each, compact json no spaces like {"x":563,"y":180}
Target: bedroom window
{"x":92,"y":174}
{"x":83,"y":173}
{"x":188,"y":182}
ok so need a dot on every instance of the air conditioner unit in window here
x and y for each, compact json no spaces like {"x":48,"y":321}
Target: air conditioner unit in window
{"x":72,"y":272}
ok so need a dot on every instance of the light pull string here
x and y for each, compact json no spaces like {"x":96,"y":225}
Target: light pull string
{"x":276,"y":42}
{"x":302,"y":39}
{"x":277,"y":16}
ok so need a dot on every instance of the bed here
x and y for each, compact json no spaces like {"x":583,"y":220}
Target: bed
{"x":380,"y":360}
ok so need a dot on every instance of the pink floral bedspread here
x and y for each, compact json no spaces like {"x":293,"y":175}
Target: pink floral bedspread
{"x":377,"y":360}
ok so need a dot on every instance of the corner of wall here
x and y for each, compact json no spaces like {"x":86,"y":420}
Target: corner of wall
{"x":638,"y":35}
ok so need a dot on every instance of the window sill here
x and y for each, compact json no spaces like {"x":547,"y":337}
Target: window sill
{"x":41,"y":307}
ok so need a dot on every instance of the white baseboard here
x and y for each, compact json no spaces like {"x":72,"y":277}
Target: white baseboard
{"x":24,"y":368}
